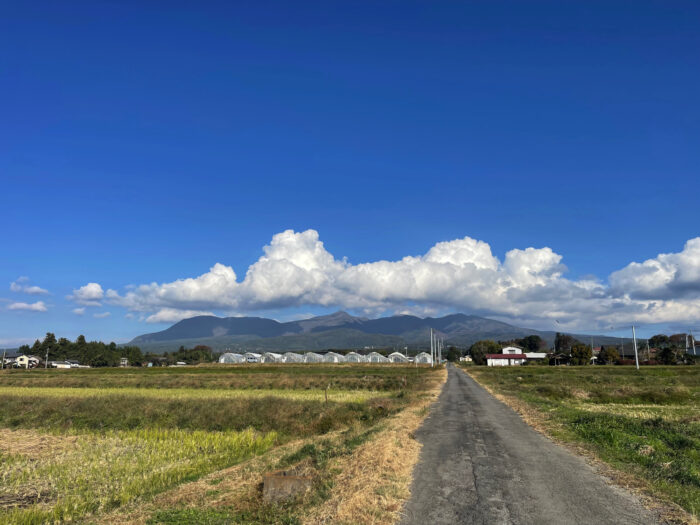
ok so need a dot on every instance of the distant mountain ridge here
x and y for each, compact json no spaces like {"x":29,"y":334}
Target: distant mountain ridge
{"x":338,"y":330}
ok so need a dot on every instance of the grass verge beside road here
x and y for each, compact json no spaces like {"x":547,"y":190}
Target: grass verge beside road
{"x":644,"y":423}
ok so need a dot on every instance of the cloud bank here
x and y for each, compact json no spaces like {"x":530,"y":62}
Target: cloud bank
{"x":38,"y":306}
{"x":528,"y":285}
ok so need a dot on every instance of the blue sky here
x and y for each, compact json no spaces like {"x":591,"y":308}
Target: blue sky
{"x":146,"y":142}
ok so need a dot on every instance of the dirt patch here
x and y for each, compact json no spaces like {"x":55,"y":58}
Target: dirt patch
{"x":33,"y":443}
{"x":24,"y":497}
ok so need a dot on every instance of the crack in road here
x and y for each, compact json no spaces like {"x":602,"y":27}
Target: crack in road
{"x":481,"y":464}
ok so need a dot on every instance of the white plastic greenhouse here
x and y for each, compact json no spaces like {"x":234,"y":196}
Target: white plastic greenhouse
{"x":229,"y":358}
{"x":271,"y":357}
{"x":424,"y":359}
{"x":396,"y":357}
{"x":292,"y":357}
{"x":311,"y":357}
{"x":332,"y":357}
{"x":354,"y":357}
{"x":375,"y":357}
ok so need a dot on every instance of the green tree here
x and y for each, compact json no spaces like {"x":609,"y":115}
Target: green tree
{"x":608,"y":355}
{"x":563,"y":343}
{"x":659,"y":341}
{"x":581,"y":354}
{"x":479,"y":350}
{"x":532,"y":343}
{"x":49,"y":346}
{"x":669,"y":355}
{"x":453,"y":354}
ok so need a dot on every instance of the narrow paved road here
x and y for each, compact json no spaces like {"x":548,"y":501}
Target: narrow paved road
{"x":481,"y":464}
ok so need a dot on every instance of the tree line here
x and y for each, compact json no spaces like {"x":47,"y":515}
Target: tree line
{"x":670,"y":350}
{"x":93,"y":353}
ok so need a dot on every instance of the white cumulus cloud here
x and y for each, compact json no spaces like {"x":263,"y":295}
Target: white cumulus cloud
{"x":667,"y":276}
{"x":529,"y":285}
{"x":89,"y":295}
{"x":79,"y":311}
{"x":38,"y":306}
{"x":101,"y":315}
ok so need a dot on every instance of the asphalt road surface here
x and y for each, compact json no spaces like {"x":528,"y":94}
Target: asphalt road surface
{"x":481,"y":464}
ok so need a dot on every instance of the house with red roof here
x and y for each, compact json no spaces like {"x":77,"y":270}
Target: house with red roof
{"x":509,"y":356}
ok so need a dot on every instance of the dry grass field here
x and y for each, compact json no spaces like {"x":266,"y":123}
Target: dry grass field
{"x":190,"y":445}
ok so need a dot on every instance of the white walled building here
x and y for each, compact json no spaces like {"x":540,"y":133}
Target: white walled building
{"x":509,"y":359}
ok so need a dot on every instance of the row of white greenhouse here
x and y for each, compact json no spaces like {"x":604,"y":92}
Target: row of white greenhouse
{"x":328,"y":357}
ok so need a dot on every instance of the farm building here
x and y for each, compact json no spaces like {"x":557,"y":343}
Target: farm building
{"x":397,"y":357}
{"x":292,"y":357}
{"x":229,"y":358}
{"x":271,"y":357}
{"x":375,"y":357}
{"x":504,"y":359}
{"x":354,"y":357}
{"x":311,"y":357}
{"x":424,"y":359}
{"x":27,"y":361}
{"x":332,"y":357}
{"x":252,"y":357}
{"x":512,"y":350}
{"x":536,"y":356}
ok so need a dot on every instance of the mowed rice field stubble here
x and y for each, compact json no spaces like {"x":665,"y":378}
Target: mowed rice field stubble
{"x":76,"y":445}
{"x":643,"y":423}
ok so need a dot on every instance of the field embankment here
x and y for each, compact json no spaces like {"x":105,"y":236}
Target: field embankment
{"x":78,"y":447}
{"x":645,"y":424}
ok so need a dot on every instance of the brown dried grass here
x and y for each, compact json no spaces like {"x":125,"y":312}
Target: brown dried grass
{"x":32,"y":443}
{"x":374,"y":481}
{"x":371,"y":486}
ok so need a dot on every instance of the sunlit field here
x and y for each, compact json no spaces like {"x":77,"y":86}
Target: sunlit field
{"x":75,"y":445}
{"x":645,"y":423}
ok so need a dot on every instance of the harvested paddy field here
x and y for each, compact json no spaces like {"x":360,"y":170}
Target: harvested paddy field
{"x":645,"y":424}
{"x":190,"y":445}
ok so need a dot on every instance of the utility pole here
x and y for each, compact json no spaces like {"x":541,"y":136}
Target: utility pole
{"x":432,"y":360}
{"x":4,"y":353}
{"x":46,"y":361}
{"x":692,"y":340}
{"x":636,"y":357}
{"x":648,"y":351}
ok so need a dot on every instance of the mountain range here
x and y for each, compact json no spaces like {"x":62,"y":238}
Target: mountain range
{"x":339,"y":330}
